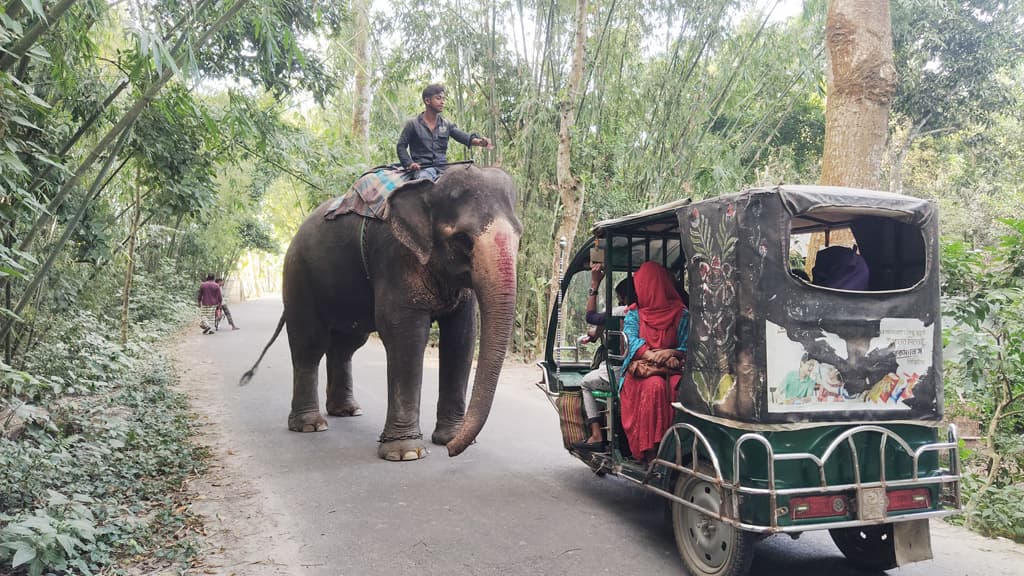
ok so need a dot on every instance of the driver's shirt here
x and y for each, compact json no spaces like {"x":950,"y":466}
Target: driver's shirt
{"x":418,"y":143}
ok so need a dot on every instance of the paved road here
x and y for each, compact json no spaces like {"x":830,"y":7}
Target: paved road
{"x":515,"y":503}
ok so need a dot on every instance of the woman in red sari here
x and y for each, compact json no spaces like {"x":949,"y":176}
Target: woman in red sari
{"x":656,"y":326}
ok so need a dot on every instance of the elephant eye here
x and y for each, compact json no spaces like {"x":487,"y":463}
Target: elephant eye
{"x":462,"y":241}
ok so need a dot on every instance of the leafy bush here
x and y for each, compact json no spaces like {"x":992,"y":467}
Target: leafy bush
{"x":52,"y":538}
{"x":999,"y":513}
{"x":983,"y":308}
{"x":102,"y":424}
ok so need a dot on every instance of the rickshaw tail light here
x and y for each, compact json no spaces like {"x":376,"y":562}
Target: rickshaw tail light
{"x":909,"y":499}
{"x":818,"y":506}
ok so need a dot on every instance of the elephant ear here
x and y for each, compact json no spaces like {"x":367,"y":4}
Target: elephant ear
{"x":410,"y":219}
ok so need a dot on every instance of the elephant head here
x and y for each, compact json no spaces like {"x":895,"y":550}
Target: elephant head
{"x":464,"y":229}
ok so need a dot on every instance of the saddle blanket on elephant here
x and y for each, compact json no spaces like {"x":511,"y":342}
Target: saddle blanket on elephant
{"x":368,"y":196}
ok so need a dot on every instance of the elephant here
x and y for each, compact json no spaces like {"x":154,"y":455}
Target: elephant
{"x":446,"y":247}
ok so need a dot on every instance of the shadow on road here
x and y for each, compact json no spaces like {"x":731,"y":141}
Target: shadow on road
{"x":813,"y":554}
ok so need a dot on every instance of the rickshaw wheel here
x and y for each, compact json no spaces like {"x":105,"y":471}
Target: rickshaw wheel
{"x":708,"y":547}
{"x":868,"y":547}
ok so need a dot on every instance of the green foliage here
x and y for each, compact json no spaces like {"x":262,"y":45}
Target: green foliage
{"x":264,"y":46}
{"x":999,"y":513}
{"x":983,"y":306}
{"x":950,"y":59}
{"x":114,"y":437}
{"x":257,"y":236}
{"x":56,"y":537}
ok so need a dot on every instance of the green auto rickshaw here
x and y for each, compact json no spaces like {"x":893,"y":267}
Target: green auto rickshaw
{"x":804,"y":404}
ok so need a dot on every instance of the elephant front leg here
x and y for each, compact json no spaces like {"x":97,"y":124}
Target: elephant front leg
{"x":404,"y":334}
{"x":457,"y":337}
{"x":341,"y":400}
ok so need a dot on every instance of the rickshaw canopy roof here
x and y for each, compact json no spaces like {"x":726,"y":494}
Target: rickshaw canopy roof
{"x":811,"y":206}
{"x":816,"y":206}
{"x":664,"y":214}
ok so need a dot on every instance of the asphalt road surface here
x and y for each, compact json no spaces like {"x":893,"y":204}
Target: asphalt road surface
{"x":515,"y":503}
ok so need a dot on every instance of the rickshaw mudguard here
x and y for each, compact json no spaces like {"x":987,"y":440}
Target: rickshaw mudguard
{"x":753,"y":323}
{"x":912,"y":541}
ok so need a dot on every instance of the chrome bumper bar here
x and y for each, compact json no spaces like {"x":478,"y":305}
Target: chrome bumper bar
{"x":733,"y":490}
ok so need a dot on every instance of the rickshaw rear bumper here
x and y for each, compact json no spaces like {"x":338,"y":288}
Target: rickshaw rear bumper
{"x":932,"y":494}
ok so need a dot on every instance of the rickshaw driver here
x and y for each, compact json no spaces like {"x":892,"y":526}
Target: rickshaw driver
{"x":597,"y":379}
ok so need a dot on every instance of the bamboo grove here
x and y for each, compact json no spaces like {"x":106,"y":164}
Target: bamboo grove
{"x":188,"y":134}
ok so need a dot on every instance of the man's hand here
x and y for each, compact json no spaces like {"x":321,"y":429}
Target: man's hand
{"x":596,"y":274}
{"x":413,"y":167}
{"x":483,"y":142}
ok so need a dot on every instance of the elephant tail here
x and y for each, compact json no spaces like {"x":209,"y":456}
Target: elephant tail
{"x":252,"y":371}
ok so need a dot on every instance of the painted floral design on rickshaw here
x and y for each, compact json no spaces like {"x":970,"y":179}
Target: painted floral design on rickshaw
{"x":714,"y":245}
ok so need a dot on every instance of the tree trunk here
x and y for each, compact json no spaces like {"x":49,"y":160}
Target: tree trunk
{"x":361,"y":55}
{"x":33,"y":35}
{"x":8,"y":242}
{"x":130,"y":263}
{"x":861,"y":86}
{"x":570,"y":188}
{"x":492,"y":90}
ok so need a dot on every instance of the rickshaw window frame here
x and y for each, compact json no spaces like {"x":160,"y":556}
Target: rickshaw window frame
{"x":666,"y":237}
{"x":855,"y":211}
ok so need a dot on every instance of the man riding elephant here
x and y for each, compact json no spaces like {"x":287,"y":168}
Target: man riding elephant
{"x":423,"y":146}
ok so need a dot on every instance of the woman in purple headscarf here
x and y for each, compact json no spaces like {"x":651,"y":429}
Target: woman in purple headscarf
{"x":840,"y":267}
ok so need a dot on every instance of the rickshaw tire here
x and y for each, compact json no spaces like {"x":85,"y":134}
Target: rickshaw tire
{"x":867,"y":547}
{"x":700,"y":538}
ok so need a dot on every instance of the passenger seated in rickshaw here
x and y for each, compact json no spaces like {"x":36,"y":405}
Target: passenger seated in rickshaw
{"x":597,"y":379}
{"x":840,"y":267}
{"x":656,"y":326}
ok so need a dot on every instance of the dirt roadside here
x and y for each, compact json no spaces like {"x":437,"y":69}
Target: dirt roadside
{"x":246,"y":533}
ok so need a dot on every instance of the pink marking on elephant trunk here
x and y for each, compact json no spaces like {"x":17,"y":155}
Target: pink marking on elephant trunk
{"x":494,"y":281}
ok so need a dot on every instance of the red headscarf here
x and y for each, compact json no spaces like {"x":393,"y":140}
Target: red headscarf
{"x":659,"y":305}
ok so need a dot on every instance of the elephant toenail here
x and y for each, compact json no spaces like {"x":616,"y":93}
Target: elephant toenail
{"x":411,"y":455}
{"x":392,"y":456}
{"x":357,"y":412}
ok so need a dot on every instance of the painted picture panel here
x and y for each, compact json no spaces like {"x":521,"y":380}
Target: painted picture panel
{"x":799,"y":382}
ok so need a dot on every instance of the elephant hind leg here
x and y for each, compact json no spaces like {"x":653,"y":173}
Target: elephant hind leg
{"x":305,"y":415}
{"x":341,"y":400}
{"x":307,"y":351}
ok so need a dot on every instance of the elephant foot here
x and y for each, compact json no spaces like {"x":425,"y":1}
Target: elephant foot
{"x":402,"y":450}
{"x":444,"y":433}
{"x":307,"y":422}
{"x":351,"y":409}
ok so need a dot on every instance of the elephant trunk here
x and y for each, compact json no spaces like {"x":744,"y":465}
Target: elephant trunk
{"x":494,"y":281}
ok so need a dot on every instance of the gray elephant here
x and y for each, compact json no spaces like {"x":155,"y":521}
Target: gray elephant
{"x":445,"y":247}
